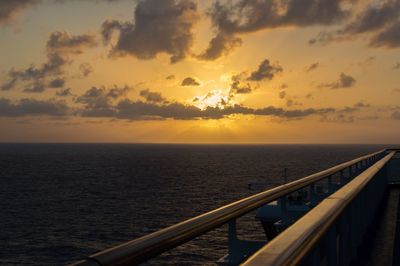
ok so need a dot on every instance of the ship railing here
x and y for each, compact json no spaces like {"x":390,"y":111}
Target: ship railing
{"x":333,"y":231}
{"x":152,"y":245}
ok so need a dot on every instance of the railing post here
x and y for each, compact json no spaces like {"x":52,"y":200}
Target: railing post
{"x":313,"y":195}
{"x":284,"y":211}
{"x":330,"y":186}
{"x":342,"y":181}
{"x":350,"y":172}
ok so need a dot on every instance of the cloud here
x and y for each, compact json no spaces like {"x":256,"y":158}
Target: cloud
{"x":52,"y":67}
{"x":60,"y":46}
{"x":95,"y":102}
{"x":189,"y":81}
{"x":338,"y":118}
{"x":374,"y":17}
{"x":63,"y":43}
{"x":160,"y":26}
{"x":214,"y":99}
{"x":265,"y":71}
{"x":154,"y":97}
{"x":117,"y":92}
{"x":282,"y":94}
{"x":57,"y":83}
{"x":395,"y":115}
{"x":64,"y":93}
{"x":86,"y":69}
{"x":377,"y":21}
{"x":33,"y":107}
{"x":361,"y":104}
{"x":137,"y":110}
{"x":238,"y":86}
{"x":222,"y":44}
{"x":9,"y":84}
{"x":170,"y":77}
{"x":9,"y":9}
{"x":312,"y":67}
{"x":388,"y":38}
{"x":98,"y":101}
{"x":244,"y":16}
{"x":35,"y":87}
{"x":344,"y":81}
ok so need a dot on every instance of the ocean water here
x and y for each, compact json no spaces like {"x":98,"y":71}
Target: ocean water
{"x":60,"y":202}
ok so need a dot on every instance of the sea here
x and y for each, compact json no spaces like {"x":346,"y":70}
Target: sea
{"x":62,"y":202}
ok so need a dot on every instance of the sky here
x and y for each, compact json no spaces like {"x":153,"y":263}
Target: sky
{"x":192,"y":71}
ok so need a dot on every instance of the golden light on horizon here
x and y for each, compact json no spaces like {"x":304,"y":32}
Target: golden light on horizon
{"x":157,"y":69}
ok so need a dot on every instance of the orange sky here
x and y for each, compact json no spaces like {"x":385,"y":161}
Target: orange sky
{"x":258,"y":71}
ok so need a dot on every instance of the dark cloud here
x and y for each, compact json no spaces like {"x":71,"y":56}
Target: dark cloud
{"x":117,"y":92}
{"x":64,"y":43}
{"x":99,"y":101}
{"x":64,"y":92}
{"x":338,"y":118}
{"x":344,"y":81}
{"x":293,"y":102}
{"x":52,"y":67}
{"x":170,"y":77}
{"x":282,"y":94}
{"x":265,"y":71}
{"x":312,"y":67}
{"x":238,"y":86}
{"x":160,"y":26}
{"x":93,"y":92}
{"x":35,"y":87}
{"x":374,"y":17}
{"x":280,"y":112}
{"x":33,"y":107}
{"x":189,"y":81}
{"x":8,"y":9}
{"x":348,"y":109}
{"x":9,"y":84}
{"x":57,"y":83}
{"x":361,"y":104}
{"x":137,"y":110}
{"x":395,"y":115}
{"x":379,"y":20}
{"x":60,"y":47}
{"x":154,"y":97}
{"x":86,"y":69}
{"x":343,"y":113}
{"x":95,"y":103}
{"x":246,"y":16}
{"x":220,"y":45}
{"x":389,"y":37}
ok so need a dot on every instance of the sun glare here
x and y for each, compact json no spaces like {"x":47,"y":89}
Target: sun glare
{"x":214,"y":99}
